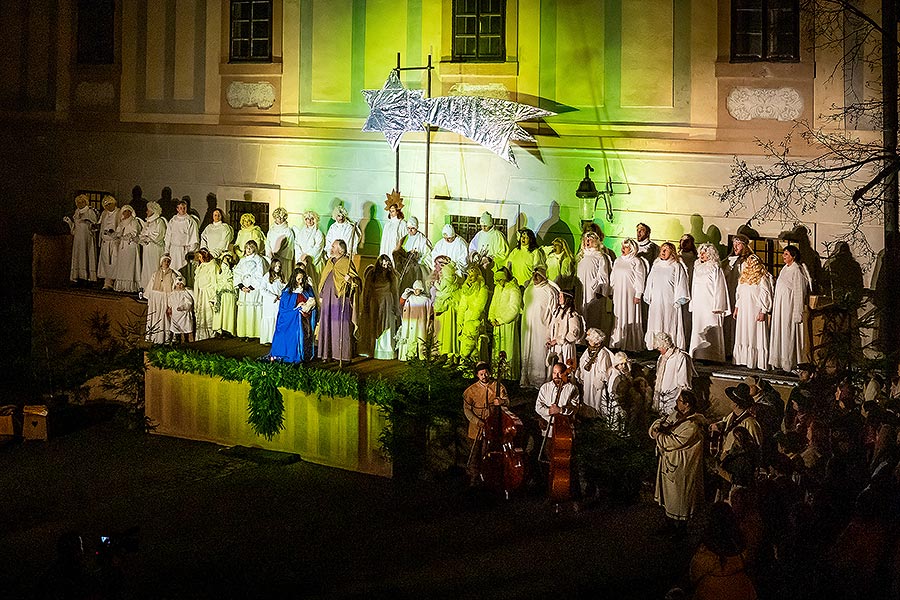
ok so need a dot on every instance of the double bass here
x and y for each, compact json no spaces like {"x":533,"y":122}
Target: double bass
{"x":559,"y":450}
{"x":502,"y":465}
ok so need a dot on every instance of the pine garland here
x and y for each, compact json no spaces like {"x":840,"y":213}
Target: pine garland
{"x":265,"y":401}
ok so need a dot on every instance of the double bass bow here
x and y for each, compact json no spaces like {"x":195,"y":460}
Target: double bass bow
{"x":502,"y":465}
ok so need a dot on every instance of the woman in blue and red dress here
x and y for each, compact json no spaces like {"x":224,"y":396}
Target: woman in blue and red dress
{"x":295,"y":325}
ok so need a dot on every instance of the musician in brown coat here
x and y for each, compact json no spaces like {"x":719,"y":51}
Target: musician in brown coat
{"x":480,"y":396}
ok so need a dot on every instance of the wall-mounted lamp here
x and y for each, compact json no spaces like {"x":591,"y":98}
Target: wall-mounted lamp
{"x":590,"y":195}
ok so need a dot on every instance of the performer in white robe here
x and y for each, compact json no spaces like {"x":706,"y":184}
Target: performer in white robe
{"x":753,"y":302}
{"x":248,"y":275}
{"x":84,"y":247}
{"x":593,"y":372}
{"x":394,"y":229}
{"x":666,"y":292}
{"x":249,"y":231}
{"x":556,"y":396}
{"x":153,"y":242}
{"x":417,"y":263}
{"x":674,"y":373}
{"x":128,"y":259}
{"x":157,"y":293}
{"x":525,"y":257}
{"x":218,"y":235}
{"x":539,"y":302}
{"x":680,"y":438}
{"x":593,"y":280}
{"x":504,"y":316}
{"x":181,"y":236}
{"x":789,"y":345}
{"x":453,"y":247}
{"x":415,"y":327}
{"x":109,"y":248}
{"x":566,"y":330}
{"x":280,"y":241}
{"x":181,"y":311}
{"x":627,"y":280}
{"x":270,"y":293}
{"x":445,"y":295}
{"x":225,"y":318}
{"x":343,"y":229}
{"x":490,"y":242}
{"x":733,"y":266}
{"x":205,"y":296}
{"x":309,"y":247}
{"x":709,"y":306}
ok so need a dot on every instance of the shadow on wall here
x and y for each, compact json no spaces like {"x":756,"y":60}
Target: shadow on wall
{"x":554,"y":227}
{"x":711,"y":235}
{"x":371,"y":230}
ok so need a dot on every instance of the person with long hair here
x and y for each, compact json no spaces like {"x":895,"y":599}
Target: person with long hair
{"x":560,"y":262}
{"x":627,"y":280}
{"x":566,"y":330}
{"x":395,"y":227}
{"x":753,"y":302}
{"x":539,"y":302}
{"x":157,"y":292}
{"x":789,"y":345}
{"x":205,"y":295}
{"x":280,"y":240}
{"x":109,"y":248}
{"x":733,"y":267}
{"x":471,"y":314}
{"x":249,"y":231}
{"x":666,"y":293}
{"x":709,"y":307}
{"x":381,"y":305}
{"x":525,"y":257}
{"x":293,"y":340}
{"x":445,"y":292}
{"x":153,"y":242}
{"x":225,"y":317}
{"x":270,"y":292}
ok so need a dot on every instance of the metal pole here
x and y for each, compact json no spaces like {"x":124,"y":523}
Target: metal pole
{"x":428,"y":156}
{"x":397,"y":151}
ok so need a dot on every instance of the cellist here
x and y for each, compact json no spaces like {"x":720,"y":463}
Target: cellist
{"x":557,"y":396}
{"x":480,"y":396}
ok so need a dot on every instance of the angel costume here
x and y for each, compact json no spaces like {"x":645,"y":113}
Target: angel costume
{"x":204,"y":299}
{"x":666,"y":293}
{"x":248,"y":277}
{"x":394,"y":231}
{"x":566,"y":330}
{"x":225,"y":318}
{"x":128,"y":261}
{"x":181,"y":237}
{"x":109,"y":247}
{"x":789,"y":346}
{"x":593,"y":286}
{"x":217,"y":238}
{"x":506,"y":309}
{"x":157,"y":292}
{"x":445,"y":293}
{"x":153,"y":242}
{"x":84,"y":248}
{"x":539,"y":302}
{"x":181,"y":304}
{"x":270,"y":294}
{"x":629,"y":274}
{"x":708,"y":306}
{"x":280,"y":245}
{"x":415,"y":324}
{"x":751,"y":337}
{"x":250,"y":232}
{"x":310,"y":242}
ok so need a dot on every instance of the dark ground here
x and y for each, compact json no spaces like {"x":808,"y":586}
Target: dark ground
{"x":216,"y":525}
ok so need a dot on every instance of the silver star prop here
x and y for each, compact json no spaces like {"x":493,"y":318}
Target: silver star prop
{"x":491,"y":122}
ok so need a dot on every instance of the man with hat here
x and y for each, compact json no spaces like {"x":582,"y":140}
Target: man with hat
{"x":740,"y":416}
{"x":732,"y":266}
{"x":768,"y":408}
{"x":480,"y":397}
{"x":674,"y":373}
{"x":489,"y":242}
{"x":453,"y":247}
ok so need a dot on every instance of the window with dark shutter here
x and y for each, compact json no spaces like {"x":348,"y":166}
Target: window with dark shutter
{"x":765,"y":30}
{"x":251,"y":31}
{"x":479,"y":30}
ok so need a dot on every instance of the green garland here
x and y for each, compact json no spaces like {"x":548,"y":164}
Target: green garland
{"x":265,"y":401}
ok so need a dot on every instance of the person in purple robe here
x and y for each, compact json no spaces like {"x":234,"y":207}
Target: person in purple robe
{"x":338,"y":294}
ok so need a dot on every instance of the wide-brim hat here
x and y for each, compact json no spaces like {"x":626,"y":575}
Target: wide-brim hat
{"x":806,"y":366}
{"x":740,"y":395}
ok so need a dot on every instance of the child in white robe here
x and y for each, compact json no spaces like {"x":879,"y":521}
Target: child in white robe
{"x":181,"y":312}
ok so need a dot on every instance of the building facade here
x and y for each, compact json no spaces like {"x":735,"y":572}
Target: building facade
{"x":260,"y":100}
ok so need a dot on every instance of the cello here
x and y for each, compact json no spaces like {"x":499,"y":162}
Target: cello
{"x":559,"y":450}
{"x":502,"y":465}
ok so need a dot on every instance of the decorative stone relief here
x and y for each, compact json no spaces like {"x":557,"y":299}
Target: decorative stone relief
{"x":242,"y":94}
{"x":782,"y":104}
{"x":91,"y":94}
{"x":487,"y":90}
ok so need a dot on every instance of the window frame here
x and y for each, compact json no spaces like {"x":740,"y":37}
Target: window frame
{"x":766,"y":34}
{"x":251,"y":59}
{"x":456,"y":36}
{"x":467,"y":226}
